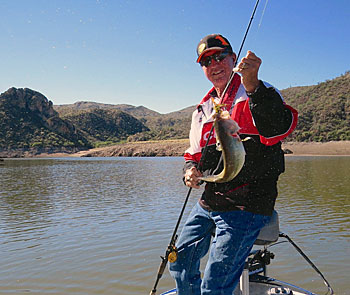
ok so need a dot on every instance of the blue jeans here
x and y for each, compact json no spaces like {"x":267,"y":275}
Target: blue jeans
{"x":235,"y":233}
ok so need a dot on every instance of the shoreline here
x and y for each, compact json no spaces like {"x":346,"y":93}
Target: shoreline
{"x":331,"y":148}
{"x":177,"y":147}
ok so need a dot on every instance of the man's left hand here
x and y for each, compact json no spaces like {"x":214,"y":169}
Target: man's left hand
{"x":249,"y":68}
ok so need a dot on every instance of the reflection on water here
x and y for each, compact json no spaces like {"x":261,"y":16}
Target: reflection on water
{"x":99,"y":225}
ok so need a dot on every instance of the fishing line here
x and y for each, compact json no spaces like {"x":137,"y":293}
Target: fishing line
{"x":262,"y":15}
{"x":254,"y":38}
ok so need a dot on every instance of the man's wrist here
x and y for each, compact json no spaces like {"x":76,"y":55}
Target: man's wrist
{"x":249,"y":93}
{"x":259,"y":86}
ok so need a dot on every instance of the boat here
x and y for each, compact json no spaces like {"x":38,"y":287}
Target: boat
{"x":254,"y":279}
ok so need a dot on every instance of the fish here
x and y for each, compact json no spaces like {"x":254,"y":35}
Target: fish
{"x":230,"y":144}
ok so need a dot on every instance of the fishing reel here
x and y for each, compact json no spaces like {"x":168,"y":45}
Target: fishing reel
{"x":172,"y":257}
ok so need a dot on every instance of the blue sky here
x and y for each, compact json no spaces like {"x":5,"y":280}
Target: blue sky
{"x":142,"y":52}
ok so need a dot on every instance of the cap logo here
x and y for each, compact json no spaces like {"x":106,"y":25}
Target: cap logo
{"x":222,"y":40}
{"x":201,"y":48}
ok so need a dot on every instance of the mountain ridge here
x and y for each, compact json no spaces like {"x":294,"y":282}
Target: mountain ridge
{"x":324,"y":110}
{"x":28,"y":120}
{"x":88,"y":105}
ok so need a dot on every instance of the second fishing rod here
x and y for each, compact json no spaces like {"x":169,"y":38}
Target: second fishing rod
{"x":171,"y":251}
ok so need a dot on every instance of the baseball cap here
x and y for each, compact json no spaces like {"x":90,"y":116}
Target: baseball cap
{"x":212,"y":42}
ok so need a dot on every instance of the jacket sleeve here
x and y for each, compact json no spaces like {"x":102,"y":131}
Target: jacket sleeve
{"x":272,"y":117}
{"x":193,"y":153}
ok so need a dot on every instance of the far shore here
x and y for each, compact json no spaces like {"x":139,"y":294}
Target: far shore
{"x":168,"y":148}
{"x":331,"y":148}
{"x":176,"y":148}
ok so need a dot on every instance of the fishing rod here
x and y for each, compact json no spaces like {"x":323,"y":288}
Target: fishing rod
{"x":246,"y":32}
{"x":239,"y":51}
{"x":171,"y":251}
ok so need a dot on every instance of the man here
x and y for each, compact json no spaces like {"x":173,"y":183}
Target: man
{"x":235,"y":211}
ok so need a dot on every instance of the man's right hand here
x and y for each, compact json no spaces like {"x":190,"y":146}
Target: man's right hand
{"x":191,"y":177}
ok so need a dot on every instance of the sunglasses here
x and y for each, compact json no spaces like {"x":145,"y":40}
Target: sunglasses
{"x":206,"y":61}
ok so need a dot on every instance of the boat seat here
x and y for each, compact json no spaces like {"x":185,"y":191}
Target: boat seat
{"x":270,"y":232}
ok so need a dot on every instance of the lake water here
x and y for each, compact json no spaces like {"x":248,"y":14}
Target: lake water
{"x":98,"y":225}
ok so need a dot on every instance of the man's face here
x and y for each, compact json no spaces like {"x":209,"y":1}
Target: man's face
{"x":219,"y":70}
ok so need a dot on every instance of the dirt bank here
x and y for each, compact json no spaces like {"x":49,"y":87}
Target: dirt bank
{"x":165,"y":148}
{"x":176,"y":148}
{"x":171,"y":148}
{"x":336,"y":148}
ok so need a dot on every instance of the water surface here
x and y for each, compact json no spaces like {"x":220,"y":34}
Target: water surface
{"x":99,"y":225}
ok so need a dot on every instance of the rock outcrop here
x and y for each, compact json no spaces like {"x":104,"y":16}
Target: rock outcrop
{"x":28,"y":121}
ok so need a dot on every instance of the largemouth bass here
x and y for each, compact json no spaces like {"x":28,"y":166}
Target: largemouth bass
{"x":233,"y":153}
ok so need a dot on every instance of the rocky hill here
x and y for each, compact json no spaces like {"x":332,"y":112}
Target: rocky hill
{"x":28,"y":121}
{"x":105,"y":125}
{"x":324,"y":110}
